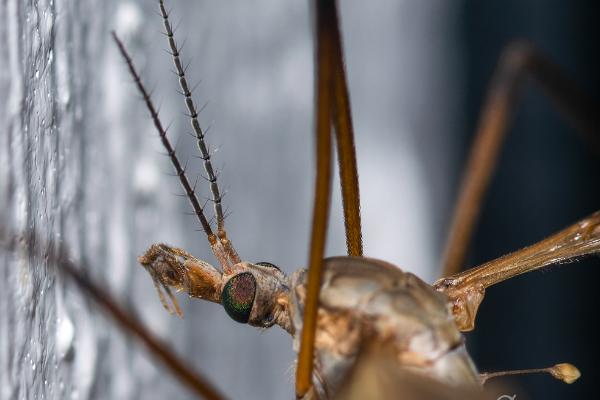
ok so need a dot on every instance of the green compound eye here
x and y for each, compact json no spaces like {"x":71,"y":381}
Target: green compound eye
{"x":238,"y":296}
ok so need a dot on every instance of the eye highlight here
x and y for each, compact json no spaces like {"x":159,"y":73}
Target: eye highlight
{"x":238,"y":296}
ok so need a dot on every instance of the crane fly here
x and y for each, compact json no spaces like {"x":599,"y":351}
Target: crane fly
{"x":339,"y":303}
{"x":353,"y":317}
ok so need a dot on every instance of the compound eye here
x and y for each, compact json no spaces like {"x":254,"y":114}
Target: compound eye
{"x":268,"y":265}
{"x":238,"y":296}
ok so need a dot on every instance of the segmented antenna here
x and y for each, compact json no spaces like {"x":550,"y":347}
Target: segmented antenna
{"x":189,"y":102}
{"x":198,"y":210}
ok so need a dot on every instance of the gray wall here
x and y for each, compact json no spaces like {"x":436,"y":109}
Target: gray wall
{"x":81,"y":163}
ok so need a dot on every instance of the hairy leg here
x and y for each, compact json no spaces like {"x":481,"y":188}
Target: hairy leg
{"x":325,"y":15}
{"x":467,"y":289}
{"x":342,"y":122}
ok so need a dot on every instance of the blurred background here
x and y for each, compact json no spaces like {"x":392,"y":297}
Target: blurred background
{"x":80,"y":162}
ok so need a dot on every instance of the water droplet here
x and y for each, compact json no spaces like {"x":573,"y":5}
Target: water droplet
{"x":146,"y":177}
{"x":129,"y":18}
{"x":65,"y":333}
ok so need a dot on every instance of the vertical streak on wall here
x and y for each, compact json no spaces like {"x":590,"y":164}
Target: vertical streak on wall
{"x":40,"y":181}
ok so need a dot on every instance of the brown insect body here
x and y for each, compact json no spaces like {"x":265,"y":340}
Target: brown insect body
{"x":365,"y":302}
{"x":361,"y":300}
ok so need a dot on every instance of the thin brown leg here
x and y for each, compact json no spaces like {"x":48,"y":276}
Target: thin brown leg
{"x":342,"y":121}
{"x":131,"y":326}
{"x":520,"y":60}
{"x":467,"y":289}
{"x":325,"y":14}
{"x":197,"y":384}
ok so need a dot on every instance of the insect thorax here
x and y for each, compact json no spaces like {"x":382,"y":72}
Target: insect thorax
{"x":365,"y":300}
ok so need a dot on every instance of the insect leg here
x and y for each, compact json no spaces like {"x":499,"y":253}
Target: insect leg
{"x":342,"y":122}
{"x":519,"y":61}
{"x":467,"y":289}
{"x":325,"y":15}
